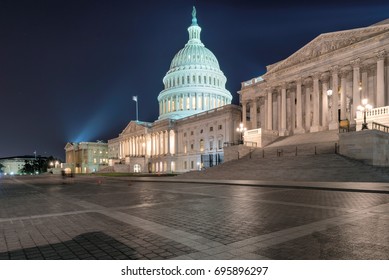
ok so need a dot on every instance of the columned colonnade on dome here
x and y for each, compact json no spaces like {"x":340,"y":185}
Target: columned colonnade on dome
{"x":191,"y":101}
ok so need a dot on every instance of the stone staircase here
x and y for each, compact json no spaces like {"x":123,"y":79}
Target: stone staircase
{"x":307,"y":157}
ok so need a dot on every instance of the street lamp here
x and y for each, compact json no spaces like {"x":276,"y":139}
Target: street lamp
{"x":364,"y":108}
{"x":241,"y":129}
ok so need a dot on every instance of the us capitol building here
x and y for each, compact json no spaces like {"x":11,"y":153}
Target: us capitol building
{"x":196,"y":117}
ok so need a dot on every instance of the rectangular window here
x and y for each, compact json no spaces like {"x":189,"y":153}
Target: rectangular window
{"x":185,"y":165}
{"x":191,"y":133}
{"x":211,"y":145}
{"x":220,"y":142}
{"x":220,"y":126}
{"x":191,"y":147}
{"x":211,"y":128}
{"x":192,"y":165}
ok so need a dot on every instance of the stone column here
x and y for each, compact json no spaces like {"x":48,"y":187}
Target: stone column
{"x":307,"y":84}
{"x":269,"y":109}
{"x":283,"y":131}
{"x":166,"y":142}
{"x":380,"y":78}
{"x":244,"y":105}
{"x":325,"y":114}
{"x":292,"y":96}
{"x":356,"y":92}
{"x":253,"y":118}
{"x":316,"y":104}
{"x":299,"y":108}
{"x":334,"y":124}
{"x":364,"y":83}
{"x":278,"y":115}
{"x":343,"y":84}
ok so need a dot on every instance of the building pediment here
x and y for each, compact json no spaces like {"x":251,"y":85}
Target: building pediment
{"x":69,"y":146}
{"x":133,"y":127}
{"x":330,"y":42}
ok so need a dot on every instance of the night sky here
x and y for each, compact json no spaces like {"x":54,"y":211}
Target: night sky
{"x":69,"y":69}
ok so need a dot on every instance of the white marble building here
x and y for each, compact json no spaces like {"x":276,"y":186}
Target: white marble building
{"x":319,"y":85}
{"x":195,"y":121}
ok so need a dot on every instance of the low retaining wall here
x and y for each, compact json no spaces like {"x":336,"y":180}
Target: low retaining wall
{"x":236,"y":152}
{"x":370,"y":146}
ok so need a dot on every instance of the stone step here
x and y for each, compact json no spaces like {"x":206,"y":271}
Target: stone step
{"x":330,"y":167}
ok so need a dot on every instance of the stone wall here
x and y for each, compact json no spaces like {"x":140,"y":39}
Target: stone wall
{"x":236,"y":152}
{"x":370,"y":146}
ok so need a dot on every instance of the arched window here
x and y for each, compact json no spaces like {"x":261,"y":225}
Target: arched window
{"x":188,"y":79}
{"x":183,"y":80}
{"x":201,"y":145}
{"x":199,"y":79}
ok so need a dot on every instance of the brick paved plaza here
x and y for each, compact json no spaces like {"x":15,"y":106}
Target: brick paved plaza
{"x":87,"y":217}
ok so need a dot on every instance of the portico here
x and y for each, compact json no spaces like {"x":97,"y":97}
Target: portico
{"x":320,"y":84}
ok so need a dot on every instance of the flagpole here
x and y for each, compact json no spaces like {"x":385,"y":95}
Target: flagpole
{"x":135,"y":98}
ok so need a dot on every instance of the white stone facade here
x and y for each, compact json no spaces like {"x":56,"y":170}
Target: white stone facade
{"x":181,"y":145}
{"x":292,"y":96}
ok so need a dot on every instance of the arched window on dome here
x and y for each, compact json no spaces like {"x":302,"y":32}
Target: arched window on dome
{"x":210,"y":81}
{"x":188,"y":79}
{"x":194,"y":79}
{"x":199,"y":79}
{"x":183,"y":80}
{"x":214,"y":81}
{"x":174,"y":82}
{"x":205,"y":79}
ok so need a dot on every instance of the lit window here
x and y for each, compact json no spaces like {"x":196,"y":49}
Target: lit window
{"x":201,"y":145}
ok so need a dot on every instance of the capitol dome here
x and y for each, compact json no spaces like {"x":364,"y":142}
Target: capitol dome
{"x":194,"y":82}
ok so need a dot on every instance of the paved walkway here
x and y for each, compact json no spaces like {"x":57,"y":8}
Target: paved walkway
{"x":42,"y":217}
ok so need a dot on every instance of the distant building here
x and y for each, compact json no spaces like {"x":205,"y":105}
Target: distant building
{"x":13,"y":165}
{"x":196,"y":118}
{"x":85,"y":157}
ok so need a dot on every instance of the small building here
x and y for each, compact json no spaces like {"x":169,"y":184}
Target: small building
{"x":13,"y":165}
{"x":86,"y":157}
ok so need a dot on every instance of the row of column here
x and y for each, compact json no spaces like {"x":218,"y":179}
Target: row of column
{"x":315,"y":113}
{"x":188,"y":101}
{"x":153,"y":144}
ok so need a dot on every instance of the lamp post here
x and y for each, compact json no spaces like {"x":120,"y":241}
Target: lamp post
{"x":364,"y":108}
{"x":241,"y":129}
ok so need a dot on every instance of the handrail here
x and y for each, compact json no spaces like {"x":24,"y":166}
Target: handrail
{"x":380,"y":127}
